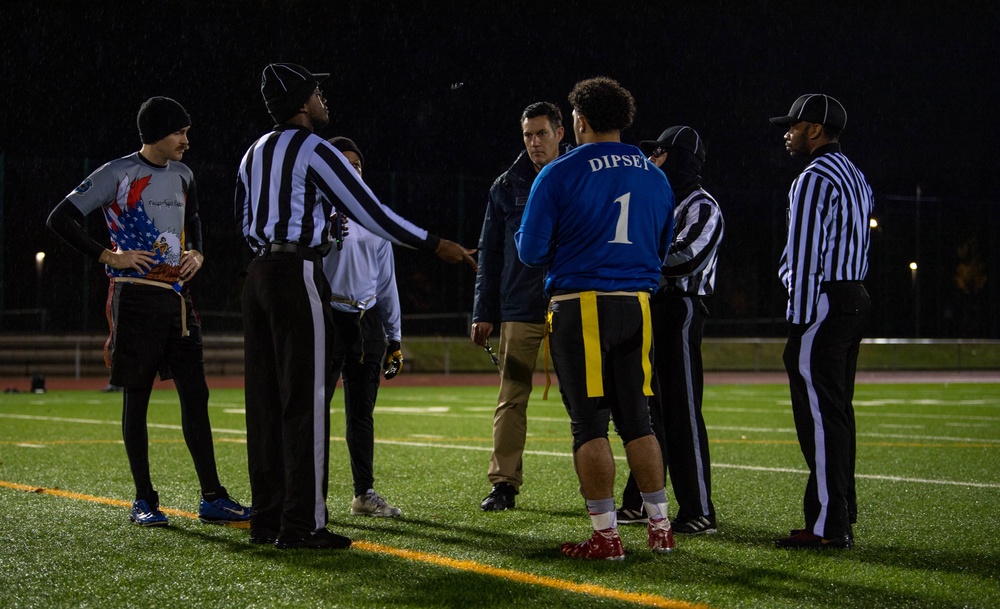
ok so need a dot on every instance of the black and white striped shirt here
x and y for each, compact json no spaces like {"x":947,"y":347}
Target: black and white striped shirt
{"x":830,"y":206}
{"x":693,"y":255}
{"x":290,"y":180}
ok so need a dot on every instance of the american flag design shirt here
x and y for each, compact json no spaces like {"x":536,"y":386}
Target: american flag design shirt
{"x":144,"y":207}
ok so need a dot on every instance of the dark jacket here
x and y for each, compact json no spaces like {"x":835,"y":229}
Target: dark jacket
{"x":506,"y":289}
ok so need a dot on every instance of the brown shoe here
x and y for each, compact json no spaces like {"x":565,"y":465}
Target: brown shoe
{"x":802,"y":539}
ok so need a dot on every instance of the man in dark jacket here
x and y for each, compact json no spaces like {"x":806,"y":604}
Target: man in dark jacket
{"x":509,"y":294}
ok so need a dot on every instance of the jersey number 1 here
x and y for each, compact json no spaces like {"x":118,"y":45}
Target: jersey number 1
{"x":621,"y":231}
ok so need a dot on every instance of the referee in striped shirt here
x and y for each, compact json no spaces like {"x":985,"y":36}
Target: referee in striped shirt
{"x":678,"y":314}
{"x":823,"y":265}
{"x":289,"y":182}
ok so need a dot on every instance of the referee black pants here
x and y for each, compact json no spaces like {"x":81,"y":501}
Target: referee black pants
{"x":821,"y":360}
{"x":287,"y":329}
{"x":675,"y":408}
{"x":360,"y":347}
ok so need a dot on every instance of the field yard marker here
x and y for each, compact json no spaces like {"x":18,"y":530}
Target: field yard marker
{"x":641,"y":598}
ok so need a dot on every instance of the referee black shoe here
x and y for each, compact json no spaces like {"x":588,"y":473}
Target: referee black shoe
{"x":804,"y":540}
{"x":699,"y":525}
{"x":317,"y":540}
{"x":629,"y":516}
{"x":500,"y":498}
{"x":263,"y":536}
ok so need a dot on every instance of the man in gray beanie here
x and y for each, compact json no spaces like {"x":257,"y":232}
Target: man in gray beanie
{"x":150,"y":204}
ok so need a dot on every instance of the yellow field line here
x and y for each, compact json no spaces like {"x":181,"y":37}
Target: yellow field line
{"x":641,"y":598}
{"x":103,"y":500}
{"x":650,"y":600}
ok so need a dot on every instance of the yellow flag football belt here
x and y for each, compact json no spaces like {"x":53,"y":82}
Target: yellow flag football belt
{"x":592,"y":338}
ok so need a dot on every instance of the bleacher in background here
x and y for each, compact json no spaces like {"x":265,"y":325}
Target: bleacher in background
{"x":79,"y":356}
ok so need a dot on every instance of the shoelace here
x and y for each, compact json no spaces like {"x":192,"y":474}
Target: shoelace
{"x":376,"y":499}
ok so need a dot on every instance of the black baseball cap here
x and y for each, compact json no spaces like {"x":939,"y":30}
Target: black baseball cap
{"x":815,"y":108}
{"x":680,"y":136}
{"x":285,"y":87}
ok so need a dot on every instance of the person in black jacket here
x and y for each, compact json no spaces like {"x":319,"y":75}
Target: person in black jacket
{"x":509,"y":294}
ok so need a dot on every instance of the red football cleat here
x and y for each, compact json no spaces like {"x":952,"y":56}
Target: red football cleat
{"x":661,"y":536}
{"x":603,"y":545}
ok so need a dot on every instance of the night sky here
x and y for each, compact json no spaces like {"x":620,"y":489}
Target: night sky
{"x":436,"y":88}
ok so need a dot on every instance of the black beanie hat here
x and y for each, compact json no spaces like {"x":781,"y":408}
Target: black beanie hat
{"x":344,"y":144}
{"x":285,"y":87}
{"x":159,"y":117}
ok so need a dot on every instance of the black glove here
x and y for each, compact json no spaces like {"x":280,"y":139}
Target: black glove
{"x":393,"y":363}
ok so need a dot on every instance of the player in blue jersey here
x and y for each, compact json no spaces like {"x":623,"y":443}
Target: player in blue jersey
{"x":601,"y":218}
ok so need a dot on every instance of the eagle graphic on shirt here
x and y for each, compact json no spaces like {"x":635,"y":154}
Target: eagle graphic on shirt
{"x":131,"y":228}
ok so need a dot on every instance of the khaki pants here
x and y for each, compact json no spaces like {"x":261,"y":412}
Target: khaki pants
{"x":519,"y":342}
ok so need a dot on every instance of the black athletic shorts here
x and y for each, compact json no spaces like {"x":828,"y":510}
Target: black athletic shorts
{"x":601,"y":346}
{"x":145,"y":323}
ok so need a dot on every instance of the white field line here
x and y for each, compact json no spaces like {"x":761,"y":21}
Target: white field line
{"x":567,"y":455}
{"x":32,"y":417}
{"x":901,"y":415}
{"x":431,"y":412}
{"x":756,"y":468}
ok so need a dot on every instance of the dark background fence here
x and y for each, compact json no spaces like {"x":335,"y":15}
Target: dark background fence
{"x":950,"y":294}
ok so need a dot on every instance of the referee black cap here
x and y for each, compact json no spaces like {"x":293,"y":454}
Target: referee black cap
{"x":815,"y":108}
{"x":679,"y":136}
{"x":286,"y":87}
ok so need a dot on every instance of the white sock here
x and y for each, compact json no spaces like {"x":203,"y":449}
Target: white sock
{"x":604,"y":520}
{"x":655,"y":511}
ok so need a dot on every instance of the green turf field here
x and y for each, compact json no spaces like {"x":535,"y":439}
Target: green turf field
{"x":928,"y":533}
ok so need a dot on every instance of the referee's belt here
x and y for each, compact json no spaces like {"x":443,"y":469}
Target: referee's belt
{"x":837,"y":286}
{"x":176,"y":287}
{"x":281,"y":247}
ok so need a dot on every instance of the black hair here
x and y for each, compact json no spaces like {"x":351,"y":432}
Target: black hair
{"x":607,"y":105}
{"x":546,"y":109}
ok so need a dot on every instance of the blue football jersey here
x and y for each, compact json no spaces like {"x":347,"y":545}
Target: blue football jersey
{"x":601,"y":217}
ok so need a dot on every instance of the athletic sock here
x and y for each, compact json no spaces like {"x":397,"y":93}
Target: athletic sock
{"x":655,"y":504}
{"x":602,"y":513}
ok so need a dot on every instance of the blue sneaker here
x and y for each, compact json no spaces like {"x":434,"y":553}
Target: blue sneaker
{"x":222,"y":511}
{"x":146,"y":515}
